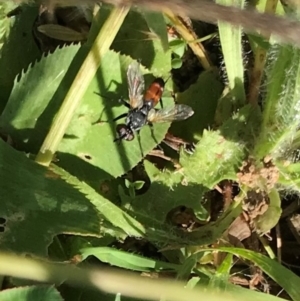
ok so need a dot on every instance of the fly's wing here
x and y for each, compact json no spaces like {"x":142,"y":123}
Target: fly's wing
{"x":136,"y":85}
{"x":169,"y":114}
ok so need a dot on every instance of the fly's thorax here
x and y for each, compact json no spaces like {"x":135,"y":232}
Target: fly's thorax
{"x":148,"y":105}
{"x":136,"y":119}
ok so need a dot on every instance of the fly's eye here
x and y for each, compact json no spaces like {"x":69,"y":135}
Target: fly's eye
{"x":121,"y":129}
{"x":124,"y":132}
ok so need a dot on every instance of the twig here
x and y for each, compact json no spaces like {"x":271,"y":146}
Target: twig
{"x":279,"y":243}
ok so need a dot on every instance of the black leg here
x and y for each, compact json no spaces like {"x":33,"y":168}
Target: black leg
{"x":161,"y":103}
{"x":121,"y":116}
{"x":124,"y":102}
{"x":140,"y":144}
{"x":153,"y":137}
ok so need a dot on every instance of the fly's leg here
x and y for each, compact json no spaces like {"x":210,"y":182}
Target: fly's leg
{"x":161,"y":103}
{"x":153,"y":137}
{"x":120,"y":117}
{"x":124,"y":102}
{"x":140,"y":144}
{"x":121,"y":100}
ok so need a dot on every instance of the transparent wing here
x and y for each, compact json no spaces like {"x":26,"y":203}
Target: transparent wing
{"x":136,"y":85}
{"x":169,"y":114}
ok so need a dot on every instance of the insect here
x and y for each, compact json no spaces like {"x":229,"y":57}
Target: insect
{"x":141,"y":105}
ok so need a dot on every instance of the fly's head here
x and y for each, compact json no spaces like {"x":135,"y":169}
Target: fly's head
{"x":124,"y":133}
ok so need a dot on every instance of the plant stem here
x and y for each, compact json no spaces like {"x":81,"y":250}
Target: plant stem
{"x":80,"y":84}
{"x":259,"y":61}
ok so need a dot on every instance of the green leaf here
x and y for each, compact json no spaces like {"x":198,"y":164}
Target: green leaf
{"x":258,"y":40}
{"x":289,"y":175}
{"x":127,"y":260}
{"x":139,"y":185}
{"x":178,"y":47}
{"x":87,"y":150}
{"x":231,"y":42}
{"x":127,"y":183}
{"x":176,"y":63}
{"x":106,"y":209}
{"x":281,"y":108}
{"x":135,"y":39}
{"x":5,"y":22}
{"x":186,"y":268}
{"x":220,"y":279}
{"x":60,"y":32}
{"x":36,"y":201}
{"x":165,"y":193}
{"x":157,"y":25}
{"x":40,"y":293}
{"x":34,"y":100}
{"x":18,"y":51}
{"x":267,"y":221}
{"x":246,"y":294}
{"x":281,"y":275}
{"x":202,"y":97}
{"x":219,"y":154}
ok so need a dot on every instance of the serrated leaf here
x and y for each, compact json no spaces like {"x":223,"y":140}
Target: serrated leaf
{"x":94,"y":143}
{"x":34,"y":100}
{"x":127,"y":260}
{"x":37,"y":206}
{"x":40,"y":293}
{"x":219,"y":153}
{"x":106,"y":209}
{"x":88,"y":149}
{"x":18,"y":51}
{"x":281,"y":108}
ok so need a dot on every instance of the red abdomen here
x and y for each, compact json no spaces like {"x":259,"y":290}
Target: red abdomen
{"x":155,"y":91}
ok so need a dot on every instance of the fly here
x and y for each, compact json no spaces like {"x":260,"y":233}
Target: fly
{"x":141,"y":105}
